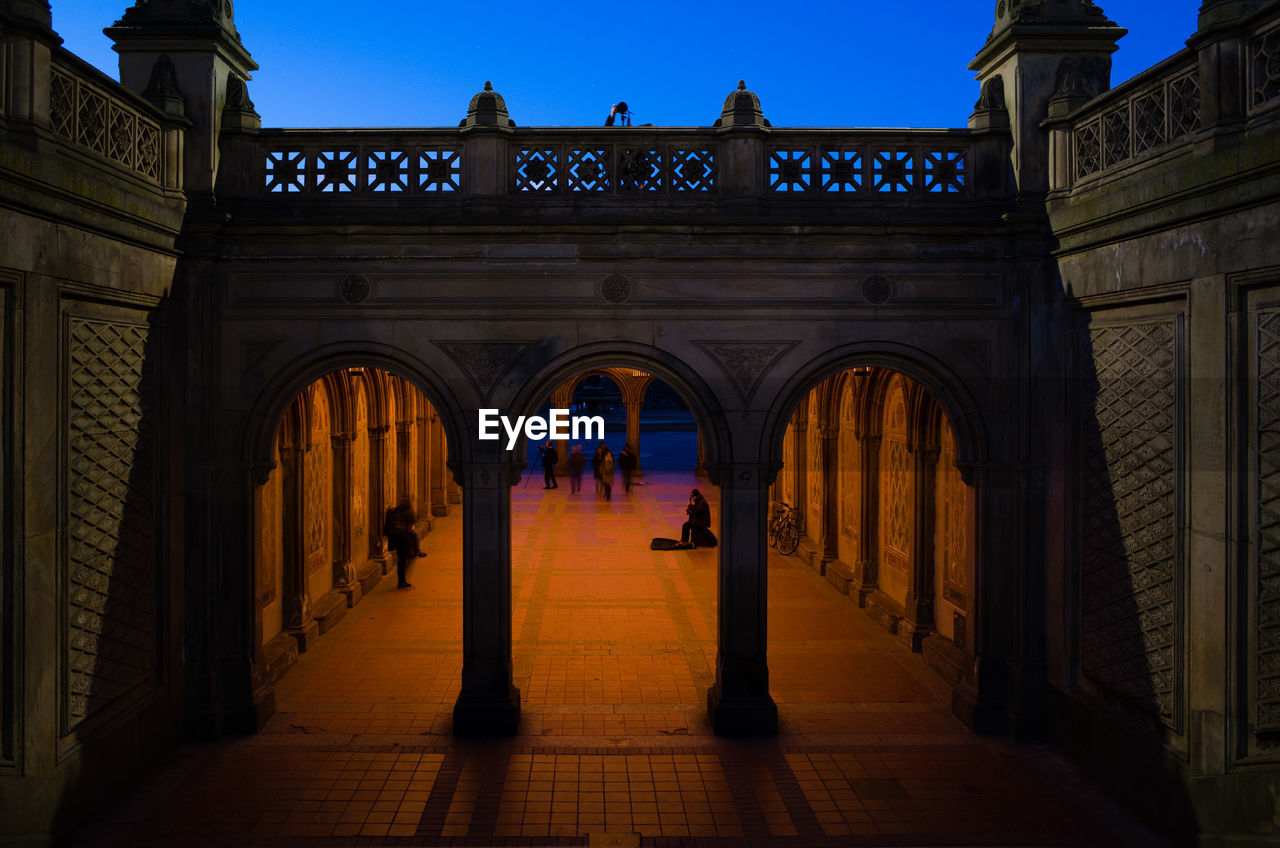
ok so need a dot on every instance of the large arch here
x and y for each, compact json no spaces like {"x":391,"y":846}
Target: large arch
{"x":270,"y":404}
{"x":600,"y":357}
{"x":948,"y":387}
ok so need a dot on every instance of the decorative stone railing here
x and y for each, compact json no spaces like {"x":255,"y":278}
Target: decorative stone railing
{"x":1164,"y":109}
{"x":640,"y":162}
{"x":1145,"y":116}
{"x":86,"y":112}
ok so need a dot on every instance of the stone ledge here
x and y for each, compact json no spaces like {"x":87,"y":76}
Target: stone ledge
{"x":329,"y":610}
{"x":277,"y":656}
{"x":944,"y":657}
{"x":884,"y":611}
{"x":370,"y":573}
{"x":840,"y":575}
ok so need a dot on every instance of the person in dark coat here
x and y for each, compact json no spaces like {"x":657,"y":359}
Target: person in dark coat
{"x":595,"y":467}
{"x":577,"y":462}
{"x":628,"y":462}
{"x":696,"y":532}
{"x":403,"y":539}
{"x":607,"y":466}
{"x":550,"y":456}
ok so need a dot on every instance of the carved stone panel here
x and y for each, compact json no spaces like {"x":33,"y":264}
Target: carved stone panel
{"x":484,"y":362}
{"x":813,"y":478}
{"x":953,"y":520}
{"x":270,"y":536}
{"x":317,"y":483}
{"x":1267,"y":467}
{"x":746,"y":363}
{"x":897,"y":498}
{"x":1131,"y":576}
{"x":111,"y":614}
{"x":360,"y":470}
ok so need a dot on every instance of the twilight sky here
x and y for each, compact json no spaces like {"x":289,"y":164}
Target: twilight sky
{"x":395,"y":63}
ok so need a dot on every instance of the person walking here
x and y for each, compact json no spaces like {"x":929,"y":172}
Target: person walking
{"x":628,"y":462}
{"x":577,"y":462}
{"x":595,"y":466}
{"x":607,"y":467}
{"x":550,"y":456}
{"x":398,"y":528}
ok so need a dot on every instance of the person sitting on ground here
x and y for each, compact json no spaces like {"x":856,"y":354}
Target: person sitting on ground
{"x":696,"y":532}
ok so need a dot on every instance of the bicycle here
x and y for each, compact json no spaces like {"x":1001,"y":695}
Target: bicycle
{"x":784,"y":528}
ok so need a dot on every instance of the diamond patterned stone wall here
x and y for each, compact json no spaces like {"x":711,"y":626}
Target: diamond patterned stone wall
{"x":111,"y":613}
{"x":1268,"y":523}
{"x":1130,"y":637}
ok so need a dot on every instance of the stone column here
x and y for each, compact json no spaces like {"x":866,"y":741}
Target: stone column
{"x":739,"y":703}
{"x":918,"y":616}
{"x":377,"y":503}
{"x":344,"y":570}
{"x":298,"y":620}
{"x":422,"y":469}
{"x":562,"y":398}
{"x":865,"y":570}
{"x":701,"y":469}
{"x":800,"y":458}
{"x":633,"y":430}
{"x":489,"y":703}
{"x":439,"y":472}
{"x":453,"y":490}
{"x":829,"y":534}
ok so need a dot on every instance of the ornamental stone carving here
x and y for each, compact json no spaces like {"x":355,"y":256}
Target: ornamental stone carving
{"x":484,"y":362}
{"x":746,"y":363}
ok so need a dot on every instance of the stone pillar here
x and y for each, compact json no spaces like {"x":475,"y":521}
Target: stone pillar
{"x":701,"y":469}
{"x":26,"y":29}
{"x":1032,"y":51}
{"x":439,"y":471}
{"x":918,"y":615}
{"x":454,"y":491}
{"x":204,"y":53}
{"x":633,"y":430}
{"x":489,"y":703}
{"x":422,"y":468}
{"x":1222,"y":53}
{"x":866,"y":569}
{"x":742,"y":156}
{"x":404,"y":456}
{"x":298,"y":620}
{"x":344,"y":559}
{"x":739,"y":703}
{"x":829,"y":533}
{"x":800,"y":457}
{"x":377,"y":503}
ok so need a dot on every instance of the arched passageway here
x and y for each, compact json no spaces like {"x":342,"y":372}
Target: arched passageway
{"x":871,"y":482}
{"x":349,"y":447}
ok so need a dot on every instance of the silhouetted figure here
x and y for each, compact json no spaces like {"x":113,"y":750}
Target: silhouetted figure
{"x":577,"y":463}
{"x":606,"y":472}
{"x":628,"y":462}
{"x":696,"y":532}
{"x":596,"y":459}
{"x":620,"y":113}
{"x":550,"y":456}
{"x":398,"y":528}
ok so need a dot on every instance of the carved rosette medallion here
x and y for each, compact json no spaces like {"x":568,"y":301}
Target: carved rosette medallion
{"x":746,"y":363}
{"x":355,"y":289}
{"x":877,"y":289}
{"x":616,"y":288}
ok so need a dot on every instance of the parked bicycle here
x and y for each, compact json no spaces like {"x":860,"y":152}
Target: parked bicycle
{"x":784,"y":528}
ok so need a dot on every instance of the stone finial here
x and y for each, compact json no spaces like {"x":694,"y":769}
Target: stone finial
{"x":488,"y":109}
{"x":741,"y":109}
{"x":991,"y":98}
{"x":160,"y":15}
{"x":239,"y":113}
{"x":1048,"y":13}
{"x":27,"y":13}
{"x":162,"y":89}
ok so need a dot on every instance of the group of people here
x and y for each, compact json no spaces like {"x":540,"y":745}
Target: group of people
{"x":603,"y":468}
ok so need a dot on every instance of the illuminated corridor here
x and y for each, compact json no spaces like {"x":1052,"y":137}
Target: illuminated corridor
{"x":614,"y":651}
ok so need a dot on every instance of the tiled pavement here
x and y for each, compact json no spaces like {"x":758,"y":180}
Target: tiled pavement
{"x":614,"y":651}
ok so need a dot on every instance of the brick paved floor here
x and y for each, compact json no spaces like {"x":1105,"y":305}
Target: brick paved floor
{"x":614,"y":651}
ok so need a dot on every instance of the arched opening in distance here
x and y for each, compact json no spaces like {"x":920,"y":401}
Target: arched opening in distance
{"x":351,"y":446}
{"x":870,"y":498}
{"x":611,"y":637}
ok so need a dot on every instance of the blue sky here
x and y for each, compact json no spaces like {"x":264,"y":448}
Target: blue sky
{"x":328,"y":63}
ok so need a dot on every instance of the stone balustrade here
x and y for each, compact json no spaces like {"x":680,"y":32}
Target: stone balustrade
{"x":539,"y":165}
